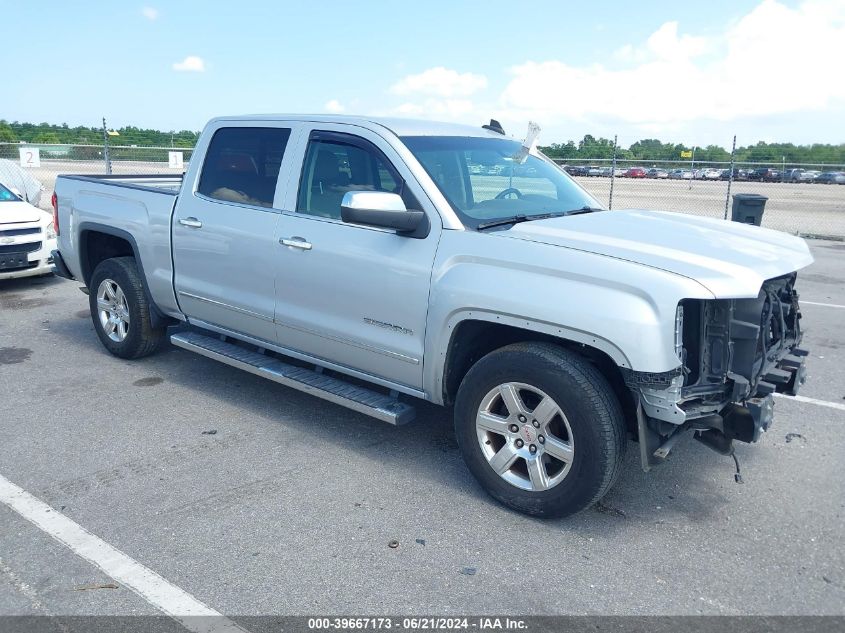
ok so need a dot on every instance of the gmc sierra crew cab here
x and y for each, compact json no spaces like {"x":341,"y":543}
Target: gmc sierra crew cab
{"x":372,"y":262}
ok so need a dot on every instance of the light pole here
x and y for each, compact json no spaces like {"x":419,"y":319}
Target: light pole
{"x":692,"y":167}
{"x":612,"y":174}
{"x":730,"y":177}
{"x":106,"y":146}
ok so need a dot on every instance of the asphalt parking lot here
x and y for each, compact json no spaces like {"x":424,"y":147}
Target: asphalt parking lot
{"x":257,"y":499}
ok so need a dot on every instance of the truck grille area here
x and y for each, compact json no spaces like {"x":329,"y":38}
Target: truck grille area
{"x":735,"y":349}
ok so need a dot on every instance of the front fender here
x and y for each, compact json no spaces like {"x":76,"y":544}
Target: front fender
{"x":623,"y":309}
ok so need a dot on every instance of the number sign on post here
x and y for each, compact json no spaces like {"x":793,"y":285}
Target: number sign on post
{"x":177,"y":160}
{"x":30,"y":157}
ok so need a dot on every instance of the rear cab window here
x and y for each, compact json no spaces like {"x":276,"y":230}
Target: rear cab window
{"x":242,"y":165}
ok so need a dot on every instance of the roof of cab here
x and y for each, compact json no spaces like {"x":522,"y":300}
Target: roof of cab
{"x":399,"y":126}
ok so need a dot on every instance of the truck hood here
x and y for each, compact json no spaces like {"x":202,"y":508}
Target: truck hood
{"x":730,"y":259}
{"x":19,"y":212}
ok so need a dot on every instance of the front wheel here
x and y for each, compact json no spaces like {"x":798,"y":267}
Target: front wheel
{"x":120,"y":309}
{"x":540,"y":428}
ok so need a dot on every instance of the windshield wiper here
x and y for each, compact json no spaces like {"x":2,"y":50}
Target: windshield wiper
{"x":582,"y":210}
{"x":516,"y":219}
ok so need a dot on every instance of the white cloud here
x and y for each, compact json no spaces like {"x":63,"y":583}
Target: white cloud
{"x":150,"y":13}
{"x":628,"y":53}
{"x":771,"y":73}
{"x":334,"y":106}
{"x":440,"y":82}
{"x":664,"y":44}
{"x":770,"y":62}
{"x":191,"y":63}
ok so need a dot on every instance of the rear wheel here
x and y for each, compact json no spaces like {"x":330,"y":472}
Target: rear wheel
{"x":540,"y":429}
{"x":120,"y":309}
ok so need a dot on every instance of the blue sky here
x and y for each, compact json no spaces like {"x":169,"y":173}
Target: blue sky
{"x":696,"y":72}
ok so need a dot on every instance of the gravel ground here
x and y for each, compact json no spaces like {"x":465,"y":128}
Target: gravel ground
{"x":257,"y":499}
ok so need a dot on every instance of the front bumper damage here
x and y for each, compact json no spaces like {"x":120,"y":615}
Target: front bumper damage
{"x":735,"y":353}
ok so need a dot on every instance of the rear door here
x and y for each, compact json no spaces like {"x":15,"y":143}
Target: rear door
{"x":224,"y":228}
{"x":353,"y":295}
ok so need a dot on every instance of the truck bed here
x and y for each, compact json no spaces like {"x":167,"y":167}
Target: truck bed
{"x":160,"y":183}
{"x":137,"y":208}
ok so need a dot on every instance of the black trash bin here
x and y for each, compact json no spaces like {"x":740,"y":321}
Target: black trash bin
{"x":748,"y":208}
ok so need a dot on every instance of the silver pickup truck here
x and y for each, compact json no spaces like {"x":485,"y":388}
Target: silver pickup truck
{"x":372,"y":262}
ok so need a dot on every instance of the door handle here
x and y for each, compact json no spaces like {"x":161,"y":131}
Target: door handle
{"x":296,"y":242}
{"x":191,"y":222}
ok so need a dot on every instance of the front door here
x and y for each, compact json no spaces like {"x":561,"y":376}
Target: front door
{"x":354,"y":295}
{"x":224,"y":245}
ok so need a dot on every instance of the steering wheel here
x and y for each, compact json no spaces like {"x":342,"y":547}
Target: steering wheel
{"x":510,"y":190}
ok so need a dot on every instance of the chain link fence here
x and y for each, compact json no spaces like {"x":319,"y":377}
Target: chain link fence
{"x":49,"y":161}
{"x":803,"y":199}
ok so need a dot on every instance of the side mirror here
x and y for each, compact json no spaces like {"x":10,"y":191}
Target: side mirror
{"x":379,"y":208}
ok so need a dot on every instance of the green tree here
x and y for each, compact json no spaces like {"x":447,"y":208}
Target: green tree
{"x":652,"y":149}
{"x":561,"y":150}
{"x":7,"y":134}
{"x":591,"y":147}
{"x":711,"y":154}
{"x":47,"y":137}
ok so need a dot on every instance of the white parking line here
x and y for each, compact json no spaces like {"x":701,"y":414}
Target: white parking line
{"x":826,"y":305}
{"x":168,"y":598}
{"x":821,"y":403}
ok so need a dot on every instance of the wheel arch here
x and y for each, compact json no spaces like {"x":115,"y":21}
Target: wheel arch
{"x":473,"y":337}
{"x":99,"y":242}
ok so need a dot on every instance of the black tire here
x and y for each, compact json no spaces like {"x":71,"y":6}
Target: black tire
{"x":141,"y":338}
{"x":584,"y":397}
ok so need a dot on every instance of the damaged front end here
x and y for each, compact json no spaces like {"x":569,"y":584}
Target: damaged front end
{"x":735,"y":353}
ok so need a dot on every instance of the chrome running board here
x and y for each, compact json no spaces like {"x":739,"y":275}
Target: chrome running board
{"x":378,"y":405}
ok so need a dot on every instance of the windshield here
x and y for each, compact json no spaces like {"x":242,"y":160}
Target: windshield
{"x":7,"y":196}
{"x":483,"y":178}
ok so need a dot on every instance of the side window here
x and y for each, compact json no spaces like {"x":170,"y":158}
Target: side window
{"x":242,"y":164}
{"x":332,"y":168}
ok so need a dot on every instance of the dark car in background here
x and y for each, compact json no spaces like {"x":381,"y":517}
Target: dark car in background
{"x":738,"y":174}
{"x":575,"y":170}
{"x":764,"y":174}
{"x":831,"y":178}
